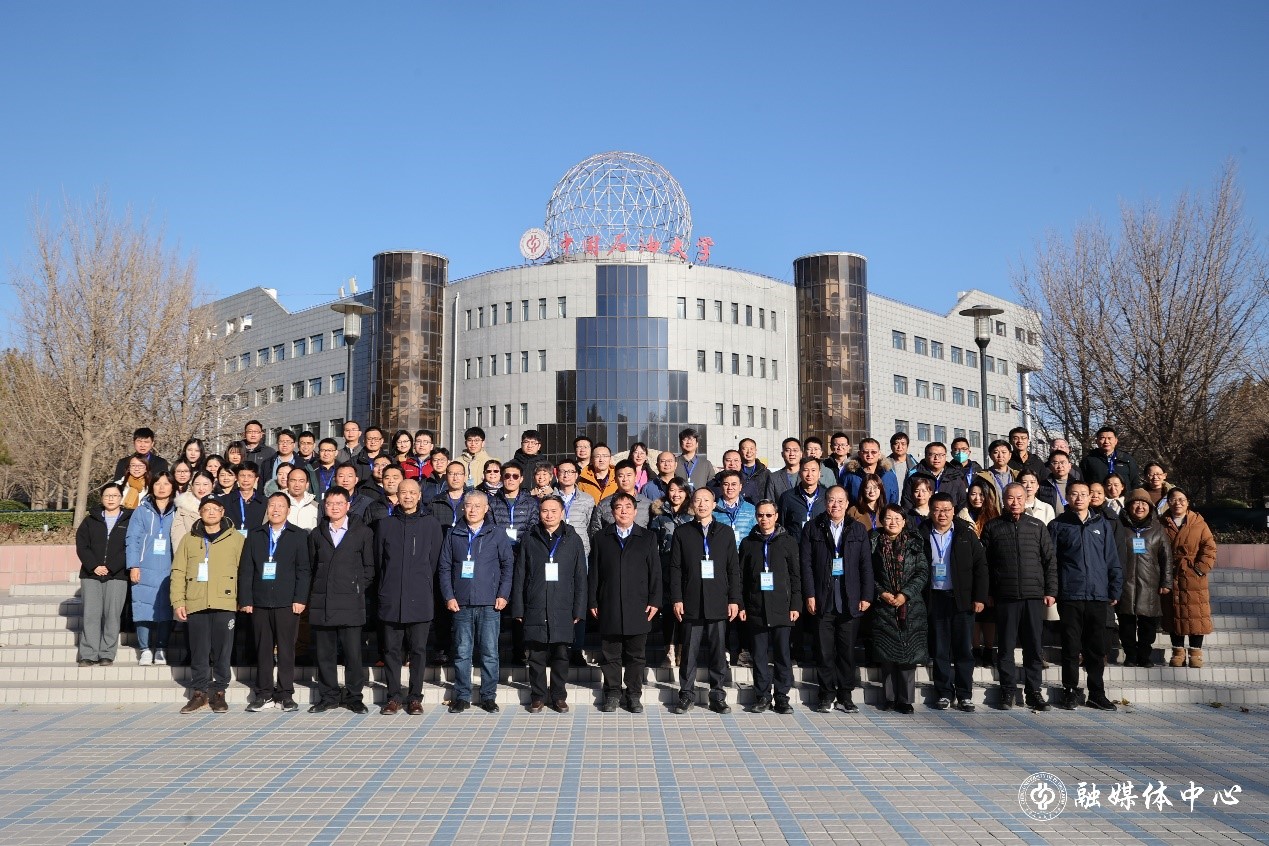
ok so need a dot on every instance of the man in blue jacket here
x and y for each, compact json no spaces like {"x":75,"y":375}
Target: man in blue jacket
{"x":1089,"y":575}
{"x":476,"y":571}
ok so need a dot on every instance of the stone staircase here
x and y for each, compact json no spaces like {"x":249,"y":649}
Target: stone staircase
{"x":39,"y":625}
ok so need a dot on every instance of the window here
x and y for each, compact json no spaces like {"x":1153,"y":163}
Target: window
{"x":466,"y":417}
{"x":680,"y":308}
{"x":922,"y":389}
{"x":920,"y":346}
{"x":762,"y":368}
{"x":315,"y":387}
{"x":902,"y":426}
{"x":735,"y":415}
{"x":229,"y":327}
{"x":762,"y":424}
{"x":480,"y":367}
{"x":480,"y":415}
{"x":958,"y":355}
{"x":542,"y":308}
{"x":700,"y":361}
{"x":718,"y":413}
{"x":493,"y":415}
{"x":748,"y":315}
{"x":718,"y":362}
{"x":262,"y":357}
{"x":775,"y":372}
{"x":749,"y":417}
{"x":524,"y":309}
{"x":299,"y":347}
{"x":940,"y":434}
{"x":1033,"y":339}
{"x":923,"y":431}
{"x":542,"y":360}
{"x":480,"y":318}
{"x":700,"y":309}
{"x":762,"y":324}
{"x":1002,"y":367}
{"x":936,"y":350}
{"x":524,"y":414}
{"x":467,"y":325}
{"x":939,"y":393}
{"x":506,"y":312}
{"x":244,"y":361}
{"x":900,"y":384}
{"x":958,"y":433}
{"x":279,"y":394}
{"x":230,"y":365}
{"x":262,"y":396}
{"x":493,"y":315}
{"x":773,"y":328}
{"x":336,"y":339}
{"x":775,"y":413}
{"x":735,"y":313}
{"x":506,"y":362}
{"x":971,"y":359}
{"x":1001,"y":329}
{"x":297,"y":390}
{"x":989,"y":364}
{"x":246,"y":321}
{"x":337,"y":384}
{"x":561,"y":308}
{"x":898,"y":340}
{"x":1019,"y":334}
{"x":718,"y":311}
{"x":493,"y":365}
{"x":467,"y":368}
{"x":749,"y":365}
{"x":958,"y":396}
{"x":524,"y":361}
{"x":1004,"y":403}
{"x":316,"y":343}
{"x":735,"y":364}
{"x":972,"y":398}
{"x":975,"y":439}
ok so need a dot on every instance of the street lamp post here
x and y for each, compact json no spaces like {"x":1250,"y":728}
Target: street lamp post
{"x":982,"y":316}
{"x":352,"y":311}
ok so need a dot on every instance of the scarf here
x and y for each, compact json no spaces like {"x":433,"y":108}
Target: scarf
{"x":133,"y":491}
{"x":892,"y":552}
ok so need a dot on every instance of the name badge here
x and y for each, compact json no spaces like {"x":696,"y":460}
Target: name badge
{"x":270,"y":571}
{"x":202,"y":570}
{"x":512,"y":533}
{"x":552,"y":571}
{"x":160,"y":546}
{"x":839,"y":567}
{"x":940,"y":571}
{"x":469,"y":569}
{"x":767,"y":581}
{"x":242,"y":532}
{"x":1139,"y":545}
{"x":707,"y":568}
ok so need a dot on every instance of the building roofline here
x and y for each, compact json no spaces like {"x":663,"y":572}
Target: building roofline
{"x":631,"y":263}
{"x":833,"y":253}
{"x":440,"y":256}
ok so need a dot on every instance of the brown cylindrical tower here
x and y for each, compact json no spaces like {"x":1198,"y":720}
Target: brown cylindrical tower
{"x":409,"y":301}
{"x":832,"y":298}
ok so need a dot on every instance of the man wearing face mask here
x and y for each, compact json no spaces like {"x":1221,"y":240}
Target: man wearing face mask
{"x":962,"y":461}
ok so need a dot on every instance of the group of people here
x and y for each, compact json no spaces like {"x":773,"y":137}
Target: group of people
{"x":916,"y":559}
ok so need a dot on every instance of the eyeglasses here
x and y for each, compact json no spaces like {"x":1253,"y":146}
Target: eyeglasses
{"x":511,"y":477}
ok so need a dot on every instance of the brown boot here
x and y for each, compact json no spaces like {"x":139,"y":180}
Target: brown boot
{"x":1196,"y":658}
{"x":198,"y":700}
{"x":1178,"y":657}
{"x":218,"y":704}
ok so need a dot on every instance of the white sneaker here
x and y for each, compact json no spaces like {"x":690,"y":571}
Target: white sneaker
{"x":147,"y":658}
{"x":160,"y":656}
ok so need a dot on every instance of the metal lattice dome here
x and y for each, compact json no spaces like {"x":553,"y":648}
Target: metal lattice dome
{"x":629,"y":201}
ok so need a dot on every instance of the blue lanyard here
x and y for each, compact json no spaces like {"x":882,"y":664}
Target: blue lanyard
{"x":937,"y":480}
{"x":554,"y":546}
{"x":873,"y":518}
{"x":940,"y":551}
{"x":242,"y":509}
{"x":730,"y":513}
{"x":512,"y":506}
{"x":839,"y":544}
{"x":810,"y":502}
{"x":455,"y":508}
{"x":568,"y":503}
{"x":206,"y":550}
{"x":750,"y":473}
{"x":470,"y":540}
{"x":705,"y":537}
{"x":1058,"y":491}
{"x":691,"y":468}
{"x":1110,"y":462}
{"x":325,"y":477}
{"x":1002,"y":479}
{"x":766,"y":545}
{"x":273,"y":542}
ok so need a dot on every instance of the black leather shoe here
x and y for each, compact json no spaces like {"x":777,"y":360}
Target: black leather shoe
{"x":489,"y":706}
{"x":966,"y":706}
{"x":904,"y":708}
{"x":609,"y":705}
{"x":847,"y":703}
{"x":1036,"y":702}
{"x":719,"y":706}
{"x":685,"y":703}
{"x":1068,"y":700}
{"x":322,"y":707}
{"x":823,"y":706}
{"x":761,"y":705}
{"x":458,"y":706}
{"x":782,"y":705}
{"x":1101,"y":703}
{"x":634,"y":706}
{"x":357,"y":707}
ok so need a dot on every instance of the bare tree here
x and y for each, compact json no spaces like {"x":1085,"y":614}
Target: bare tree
{"x":107,"y":321}
{"x":1153,"y":329}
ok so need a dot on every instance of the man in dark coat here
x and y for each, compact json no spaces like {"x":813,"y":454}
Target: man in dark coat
{"x":342,"y":552}
{"x":548,"y":596}
{"x":408,"y":548}
{"x":944,"y":478}
{"x":705,"y":592}
{"x":957,"y":590}
{"x":755,"y":478}
{"x":142,"y":445}
{"x":1089,"y":576}
{"x":800,"y":505}
{"x":838,"y":582}
{"x":624,"y":587}
{"x":771,"y":585}
{"x":275,"y":575}
{"x":1107,"y":459}
{"x":243,"y":505}
{"x":1022,"y":571}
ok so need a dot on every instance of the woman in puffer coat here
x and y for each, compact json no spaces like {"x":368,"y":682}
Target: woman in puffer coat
{"x":150,"y":567}
{"x":1188,"y":610}
{"x":899,"y":622}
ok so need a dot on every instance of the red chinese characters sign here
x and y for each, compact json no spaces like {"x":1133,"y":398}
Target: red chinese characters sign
{"x":591,"y":246}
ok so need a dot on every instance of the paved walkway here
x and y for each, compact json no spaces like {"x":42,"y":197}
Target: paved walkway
{"x":140,"y":775}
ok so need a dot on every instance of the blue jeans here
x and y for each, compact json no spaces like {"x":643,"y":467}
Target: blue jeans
{"x":159,"y":630}
{"x":477,"y":625}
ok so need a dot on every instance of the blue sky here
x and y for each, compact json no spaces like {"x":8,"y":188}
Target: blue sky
{"x":284,"y":144}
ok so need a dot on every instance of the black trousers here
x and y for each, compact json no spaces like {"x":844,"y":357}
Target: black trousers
{"x":714,"y":632}
{"x":327,"y":642}
{"x":951,"y":647}
{"x":211,"y":645}
{"x":623,"y":651}
{"x":835,"y":653}
{"x":540,"y":656}
{"x":275,"y":629}
{"x":899,"y":682}
{"x":443,"y":630}
{"x":394,"y":637}
{"x":1136,"y":636}
{"x":1020,"y":620}
{"x":1083,"y":630}
{"x":772,"y":642}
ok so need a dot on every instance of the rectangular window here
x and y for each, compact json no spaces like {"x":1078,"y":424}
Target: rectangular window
{"x":775,"y":414}
{"x":972,"y":399}
{"x":775,"y":372}
{"x":279,"y":352}
{"x":524,"y":361}
{"x":493,"y":315}
{"x":936,"y":350}
{"x":493,"y":415}
{"x":748,"y":365}
{"x":524,"y":310}
{"x":900,"y":384}
{"x":297,"y":390}
{"x":480,"y":415}
{"x":735,"y":364}
{"x":939,"y":393}
{"x":467,"y":368}
{"x":262,"y":396}
{"x":735,"y":415}
{"x":680,"y":308}
{"x":506,"y":312}
{"x":762,"y":368}
{"x":337,"y":383}
{"x":315,"y":387}
{"x":542,"y":360}
{"x":244,"y":361}
{"x":971,"y":359}
{"x":506,"y":362}
{"x":975,"y":439}
{"x":1001,"y":329}
{"x":958,"y":433}
{"x":748,"y":315}
{"x":480,"y":318}
{"x":524,"y":414}
{"x":718,"y":362}
{"x":493,"y":365}
{"x":958,"y":355}
{"x":749,"y":418}
{"x":480,"y":367}
{"x":542,"y":308}
{"x":337,"y":339}
{"x":991,"y":402}
{"x":773,"y":328}
{"x":1004,"y":403}
{"x":762,"y":418}
{"x":1033,"y":339}
{"x":958,"y":396}
{"x":923,"y":432}
{"x":506,"y":413}
{"x":299,"y":347}
{"x":920,"y":346}
{"x":315,"y":343}
{"x":700,"y":361}
{"x":735,"y":313}
{"x":1002,"y":367}
{"x":466,"y":417}
{"x":898,"y":340}
{"x":922,"y":389}
{"x":902,"y":426}
{"x":467,"y":324}
{"x":262,"y":357}
{"x":940,"y":434}
{"x":989,"y":364}
{"x":561,"y":307}
{"x":718,"y":311}
{"x":762,"y":322}
{"x":718,"y":413}
{"x":700,"y":309}
{"x":1019,"y":334}
{"x":279,"y":394}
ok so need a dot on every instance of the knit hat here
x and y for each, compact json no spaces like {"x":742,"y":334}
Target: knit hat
{"x":1139,"y":495}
